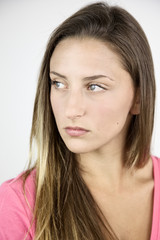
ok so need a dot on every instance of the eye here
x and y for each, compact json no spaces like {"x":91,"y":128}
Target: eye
{"x":95,"y":87}
{"x":57,"y":85}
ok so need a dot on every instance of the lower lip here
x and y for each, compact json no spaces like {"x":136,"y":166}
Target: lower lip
{"x":75,"y":132}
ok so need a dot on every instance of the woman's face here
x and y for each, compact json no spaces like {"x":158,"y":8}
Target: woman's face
{"x":91,"y":95}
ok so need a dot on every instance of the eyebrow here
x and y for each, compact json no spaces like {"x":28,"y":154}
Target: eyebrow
{"x":86,"y":78}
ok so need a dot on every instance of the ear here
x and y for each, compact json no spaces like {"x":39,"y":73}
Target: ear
{"x":135,"y":109}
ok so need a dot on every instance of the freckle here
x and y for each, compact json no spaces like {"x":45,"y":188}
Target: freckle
{"x":117,"y":123}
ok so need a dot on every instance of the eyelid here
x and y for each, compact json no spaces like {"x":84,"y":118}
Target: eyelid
{"x":98,"y":85}
{"x":53,"y":82}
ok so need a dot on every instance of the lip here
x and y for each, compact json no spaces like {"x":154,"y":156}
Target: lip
{"x":76,"y":131}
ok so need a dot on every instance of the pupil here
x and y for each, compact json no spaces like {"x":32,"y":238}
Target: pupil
{"x":57,"y":84}
{"x":93,"y":87}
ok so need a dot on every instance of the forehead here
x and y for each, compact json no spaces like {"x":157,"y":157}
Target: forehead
{"x":86,"y":52}
{"x":87,"y":46}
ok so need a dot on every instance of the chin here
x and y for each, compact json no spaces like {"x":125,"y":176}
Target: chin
{"x":78,"y":149}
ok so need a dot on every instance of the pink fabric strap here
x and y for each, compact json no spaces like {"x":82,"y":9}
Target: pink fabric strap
{"x":155,"y":233}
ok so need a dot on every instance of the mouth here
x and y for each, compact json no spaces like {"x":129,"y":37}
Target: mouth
{"x":76,"y":131}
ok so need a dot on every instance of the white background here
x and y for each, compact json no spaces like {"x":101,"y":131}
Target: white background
{"x":25,"y":26}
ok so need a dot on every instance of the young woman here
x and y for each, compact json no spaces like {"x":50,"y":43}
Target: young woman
{"x":94,"y":177}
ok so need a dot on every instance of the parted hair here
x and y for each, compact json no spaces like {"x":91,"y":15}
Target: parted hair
{"x":64,"y":207}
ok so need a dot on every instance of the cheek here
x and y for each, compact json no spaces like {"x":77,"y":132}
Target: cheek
{"x":111,"y":113}
{"x":55,"y":104}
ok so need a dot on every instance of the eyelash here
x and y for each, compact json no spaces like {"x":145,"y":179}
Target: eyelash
{"x":53,"y":82}
{"x":97,"y":85}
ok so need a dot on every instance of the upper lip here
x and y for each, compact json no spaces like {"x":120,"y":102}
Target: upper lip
{"x":76,"y":128}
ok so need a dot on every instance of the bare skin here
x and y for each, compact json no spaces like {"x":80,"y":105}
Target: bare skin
{"x":127,"y":203}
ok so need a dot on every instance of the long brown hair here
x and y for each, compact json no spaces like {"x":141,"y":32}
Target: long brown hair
{"x":65,"y":208}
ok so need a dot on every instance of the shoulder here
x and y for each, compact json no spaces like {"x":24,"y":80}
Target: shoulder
{"x":156,"y":163}
{"x":16,"y":209}
{"x":14,"y":187}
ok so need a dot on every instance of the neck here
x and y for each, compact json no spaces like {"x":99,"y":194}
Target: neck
{"x":107,"y":170}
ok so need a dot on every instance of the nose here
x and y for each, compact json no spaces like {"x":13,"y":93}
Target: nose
{"x":75,"y":105}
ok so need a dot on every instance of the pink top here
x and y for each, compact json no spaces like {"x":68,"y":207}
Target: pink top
{"x":155,"y":232}
{"x":16,"y":215}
